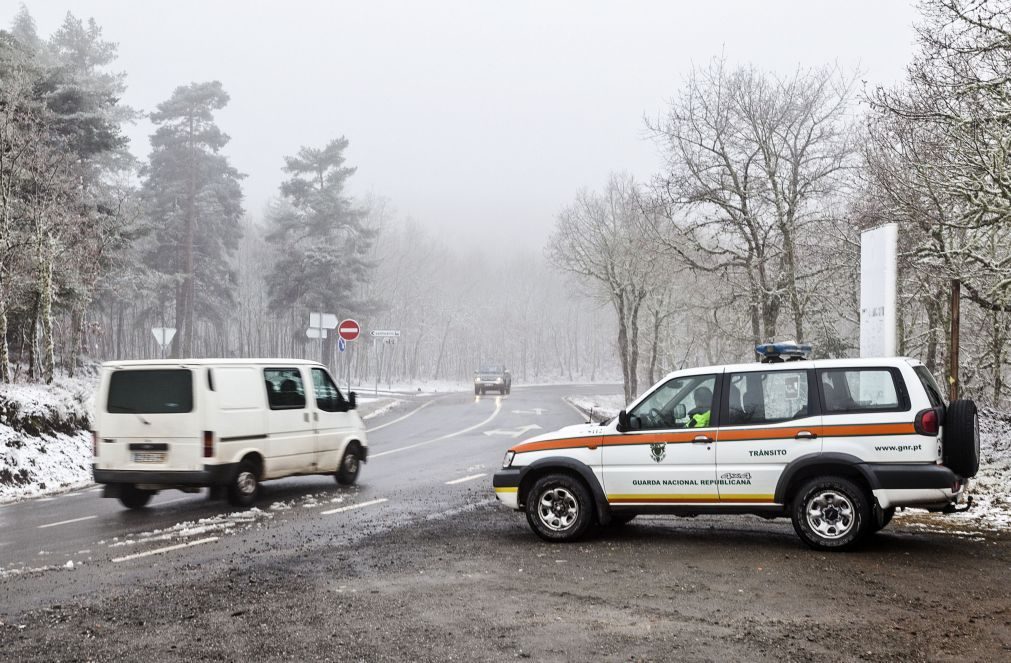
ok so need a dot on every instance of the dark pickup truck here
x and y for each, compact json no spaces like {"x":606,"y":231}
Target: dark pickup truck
{"x":492,"y":378}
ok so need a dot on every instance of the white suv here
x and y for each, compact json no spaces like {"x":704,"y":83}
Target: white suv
{"x":835,"y":445}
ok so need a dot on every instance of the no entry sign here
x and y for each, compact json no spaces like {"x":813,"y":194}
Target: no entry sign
{"x":349,"y":330}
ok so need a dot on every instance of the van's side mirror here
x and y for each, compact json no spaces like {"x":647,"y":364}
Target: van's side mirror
{"x":352,"y":400}
{"x":623,"y":421}
{"x":680,"y":412}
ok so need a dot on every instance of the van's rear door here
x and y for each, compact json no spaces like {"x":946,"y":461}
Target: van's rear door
{"x":149,"y":420}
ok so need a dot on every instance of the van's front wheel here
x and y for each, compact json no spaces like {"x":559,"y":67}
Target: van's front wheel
{"x":133,"y":497}
{"x":351,"y":463}
{"x":245,"y":485}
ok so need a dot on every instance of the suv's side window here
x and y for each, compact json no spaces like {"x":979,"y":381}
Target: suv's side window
{"x":767,"y":397}
{"x":285,"y":390}
{"x":680,"y":403}
{"x":328,"y":396}
{"x":855,"y":390}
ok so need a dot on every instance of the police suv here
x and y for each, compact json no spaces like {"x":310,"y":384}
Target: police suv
{"x":835,"y":445}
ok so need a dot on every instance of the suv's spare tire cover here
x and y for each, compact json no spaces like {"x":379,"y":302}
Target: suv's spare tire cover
{"x":961,"y":438}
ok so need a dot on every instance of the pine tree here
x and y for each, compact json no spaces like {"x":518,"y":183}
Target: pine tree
{"x":195,"y":202}
{"x":322,"y":237}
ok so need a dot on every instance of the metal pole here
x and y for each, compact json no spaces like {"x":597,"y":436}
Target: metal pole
{"x":956,"y":295}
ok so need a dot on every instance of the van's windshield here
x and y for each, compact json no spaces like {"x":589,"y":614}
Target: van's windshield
{"x":159,"y":391}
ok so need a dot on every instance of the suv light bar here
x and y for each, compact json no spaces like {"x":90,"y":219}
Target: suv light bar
{"x":771,"y":353}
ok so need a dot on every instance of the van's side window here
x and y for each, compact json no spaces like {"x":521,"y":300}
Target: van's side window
{"x":285,"y":390}
{"x":328,"y":396}
{"x":850,"y":390}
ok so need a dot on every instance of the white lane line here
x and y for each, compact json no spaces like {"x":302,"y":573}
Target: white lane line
{"x":498,"y":408}
{"x":462,"y":479}
{"x":159,"y":551}
{"x":173,"y":501}
{"x":67,"y":522}
{"x":354,"y":506}
{"x":411,"y":413}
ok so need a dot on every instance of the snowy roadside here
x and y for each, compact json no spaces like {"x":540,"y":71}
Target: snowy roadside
{"x":598,"y":407}
{"x":45,"y":446}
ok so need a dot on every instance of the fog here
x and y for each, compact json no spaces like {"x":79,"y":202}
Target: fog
{"x":480,"y":120}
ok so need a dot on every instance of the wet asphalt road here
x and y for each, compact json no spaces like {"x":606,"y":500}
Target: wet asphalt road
{"x":418,"y":563}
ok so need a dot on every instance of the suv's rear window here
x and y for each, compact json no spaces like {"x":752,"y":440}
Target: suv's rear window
{"x":851,"y":390}
{"x":160,"y":391}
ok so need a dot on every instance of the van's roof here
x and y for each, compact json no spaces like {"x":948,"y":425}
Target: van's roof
{"x":186,"y":363}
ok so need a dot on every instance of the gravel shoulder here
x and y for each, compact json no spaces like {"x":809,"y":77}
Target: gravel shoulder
{"x":481,"y":587}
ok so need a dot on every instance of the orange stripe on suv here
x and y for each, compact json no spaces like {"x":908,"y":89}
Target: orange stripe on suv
{"x":725,"y":435}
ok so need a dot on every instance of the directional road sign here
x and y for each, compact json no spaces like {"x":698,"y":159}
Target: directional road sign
{"x":385,"y":333}
{"x":342,"y":345}
{"x":323,"y":320}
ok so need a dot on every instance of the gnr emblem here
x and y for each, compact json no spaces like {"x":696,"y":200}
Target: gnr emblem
{"x":658,"y":451}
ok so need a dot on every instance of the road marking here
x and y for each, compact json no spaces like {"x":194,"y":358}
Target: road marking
{"x":513,"y":433}
{"x":498,"y":408}
{"x":67,"y":522}
{"x":173,"y":501}
{"x":462,"y":479}
{"x":411,"y":413}
{"x":354,"y":506}
{"x":159,"y":551}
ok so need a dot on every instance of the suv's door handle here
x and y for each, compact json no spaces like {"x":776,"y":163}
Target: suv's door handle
{"x":702,"y":439}
{"x":305,"y":416}
{"x":315,"y":416}
{"x":805,"y":435}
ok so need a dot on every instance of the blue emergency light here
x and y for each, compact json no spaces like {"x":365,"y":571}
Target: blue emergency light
{"x":771,"y":353}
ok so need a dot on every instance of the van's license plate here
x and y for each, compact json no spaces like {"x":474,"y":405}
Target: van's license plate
{"x":149,"y":456}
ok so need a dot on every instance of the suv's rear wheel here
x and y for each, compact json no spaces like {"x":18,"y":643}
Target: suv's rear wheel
{"x":961,"y":438}
{"x":831,"y":513}
{"x":244,"y":486}
{"x":133,"y":497}
{"x":559,"y":508}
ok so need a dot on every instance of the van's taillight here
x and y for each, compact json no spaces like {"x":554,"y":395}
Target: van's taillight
{"x":208,"y":444}
{"x":94,"y":442}
{"x":927,"y":422}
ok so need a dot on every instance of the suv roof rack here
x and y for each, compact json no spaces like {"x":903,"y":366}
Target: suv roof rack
{"x":774,"y":353}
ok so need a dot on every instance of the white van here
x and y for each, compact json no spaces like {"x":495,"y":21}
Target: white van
{"x":227,"y":424}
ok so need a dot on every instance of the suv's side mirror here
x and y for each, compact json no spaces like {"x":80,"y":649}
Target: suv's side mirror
{"x":623,"y":421}
{"x":680,"y":411}
{"x":352,"y":400}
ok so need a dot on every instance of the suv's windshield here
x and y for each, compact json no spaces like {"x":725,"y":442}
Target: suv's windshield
{"x":490,"y":369}
{"x":160,"y":391}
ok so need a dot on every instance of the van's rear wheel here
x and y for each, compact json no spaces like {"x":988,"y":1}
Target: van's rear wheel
{"x":244,"y":486}
{"x":351,"y":463}
{"x":133,"y":497}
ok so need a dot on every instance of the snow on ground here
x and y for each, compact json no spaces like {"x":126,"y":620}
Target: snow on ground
{"x":603,"y":406}
{"x":45,"y":445}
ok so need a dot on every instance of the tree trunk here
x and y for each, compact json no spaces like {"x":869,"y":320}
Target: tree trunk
{"x":5,"y":357}
{"x":48,"y":357}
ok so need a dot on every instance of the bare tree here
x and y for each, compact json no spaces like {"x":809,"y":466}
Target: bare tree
{"x":753,"y":163}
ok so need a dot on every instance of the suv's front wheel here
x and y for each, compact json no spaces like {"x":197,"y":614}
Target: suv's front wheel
{"x":831,"y":513}
{"x":559,"y":508}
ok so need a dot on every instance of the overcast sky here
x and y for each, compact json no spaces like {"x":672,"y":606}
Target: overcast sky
{"x":480,"y":119}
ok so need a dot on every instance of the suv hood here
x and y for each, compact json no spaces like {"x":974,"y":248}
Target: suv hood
{"x":577,"y":430}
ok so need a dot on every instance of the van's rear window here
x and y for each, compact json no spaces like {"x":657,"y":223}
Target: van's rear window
{"x":151,"y":391}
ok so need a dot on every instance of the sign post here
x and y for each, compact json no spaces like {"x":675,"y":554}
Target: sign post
{"x":877,"y":291}
{"x":348,"y":330}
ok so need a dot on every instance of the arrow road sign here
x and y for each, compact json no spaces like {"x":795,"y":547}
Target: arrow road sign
{"x":341,"y":344}
{"x":315,"y":332}
{"x":349,"y":330}
{"x":323,"y":321}
{"x":522,"y":430}
{"x":385,"y":333}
